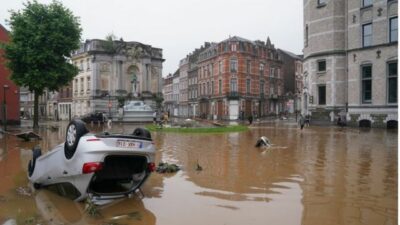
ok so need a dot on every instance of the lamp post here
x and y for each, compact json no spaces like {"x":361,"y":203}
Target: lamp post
{"x":5,"y":88}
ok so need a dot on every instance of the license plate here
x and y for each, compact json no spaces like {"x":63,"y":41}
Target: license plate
{"x":129,"y":144}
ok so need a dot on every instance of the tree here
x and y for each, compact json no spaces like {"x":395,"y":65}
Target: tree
{"x":42,"y":40}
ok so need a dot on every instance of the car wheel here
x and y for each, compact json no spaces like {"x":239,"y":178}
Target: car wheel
{"x":36,"y":152}
{"x":75,"y":130}
{"x":141,"y":132}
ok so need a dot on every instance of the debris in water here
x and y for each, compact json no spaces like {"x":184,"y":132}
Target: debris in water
{"x":91,"y":209}
{"x":26,"y":136}
{"x":198,"y":167}
{"x":24,"y":191}
{"x":167,"y":168}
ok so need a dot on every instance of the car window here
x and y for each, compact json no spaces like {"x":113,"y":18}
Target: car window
{"x":65,"y":189}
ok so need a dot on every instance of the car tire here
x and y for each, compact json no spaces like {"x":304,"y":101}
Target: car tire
{"x":36,"y":152}
{"x":141,"y":132}
{"x":75,"y":130}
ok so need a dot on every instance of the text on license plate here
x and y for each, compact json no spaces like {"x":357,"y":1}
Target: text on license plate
{"x":129,"y":144}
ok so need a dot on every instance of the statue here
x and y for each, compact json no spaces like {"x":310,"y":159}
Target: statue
{"x":134,"y":82}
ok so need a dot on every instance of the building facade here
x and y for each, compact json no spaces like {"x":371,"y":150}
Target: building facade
{"x":183,"y":87}
{"x":238,"y":78}
{"x":112,"y":71}
{"x":167,"y":93}
{"x":350,"y":61}
{"x":9,"y":94}
{"x":175,"y":94}
{"x":292,"y":73}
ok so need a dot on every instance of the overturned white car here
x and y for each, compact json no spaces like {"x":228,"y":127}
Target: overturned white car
{"x":102,"y":166}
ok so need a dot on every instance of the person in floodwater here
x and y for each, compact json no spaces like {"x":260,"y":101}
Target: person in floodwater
{"x":250,"y":118}
{"x":301,"y":122}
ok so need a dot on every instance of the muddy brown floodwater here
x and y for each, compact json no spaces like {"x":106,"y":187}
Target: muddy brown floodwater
{"x":321,"y":175}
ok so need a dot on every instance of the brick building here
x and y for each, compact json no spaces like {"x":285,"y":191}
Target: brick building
{"x":9,"y":94}
{"x":237,"y":78}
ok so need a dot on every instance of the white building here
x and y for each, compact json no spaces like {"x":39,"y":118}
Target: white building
{"x":122,"y":70}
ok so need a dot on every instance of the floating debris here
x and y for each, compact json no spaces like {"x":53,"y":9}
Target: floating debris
{"x":167,"y":168}
{"x":198,"y":167}
{"x":91,"y":209}
{"x":26,"y":136}
{"x":24,"y":191}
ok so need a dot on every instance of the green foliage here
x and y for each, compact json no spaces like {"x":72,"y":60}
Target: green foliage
{"x":42,"y":39}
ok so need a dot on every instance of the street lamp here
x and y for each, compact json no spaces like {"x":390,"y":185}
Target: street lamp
{"x":5,"y":88}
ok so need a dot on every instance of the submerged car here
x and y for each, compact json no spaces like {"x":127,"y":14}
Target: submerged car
{"x":100,"y":166}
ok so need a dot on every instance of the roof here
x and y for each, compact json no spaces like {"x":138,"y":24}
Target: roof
{"x":291,"y":54}
{"x":236,"y":38}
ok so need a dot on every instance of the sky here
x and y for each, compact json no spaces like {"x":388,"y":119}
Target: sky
{"x":180,"y":26}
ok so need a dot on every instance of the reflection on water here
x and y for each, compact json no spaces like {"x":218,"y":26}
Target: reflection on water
{"x":319,"y":175}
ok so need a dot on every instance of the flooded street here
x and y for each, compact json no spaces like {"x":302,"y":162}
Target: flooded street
{"x":321,"y":175}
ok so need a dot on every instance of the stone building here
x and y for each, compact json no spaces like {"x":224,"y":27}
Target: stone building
{"x":175,"y":94}
{"x":167,"y":93}
{"x":292,"y":73}
{"x":109,"y":71}
{"x":238,"y":78}
{"x":350,"y":61}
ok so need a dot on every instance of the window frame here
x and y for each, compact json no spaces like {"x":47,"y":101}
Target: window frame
{"x":248,"y":86}
{"x":233,"y":65}
{"x":364,"y":82}
{"x":320,"y":102}
{"x":390,"y":76}
{"x":318,"y":65}
{"x":390,"y":30}
{"x":363,"y":36}
{"x":364,"y":5}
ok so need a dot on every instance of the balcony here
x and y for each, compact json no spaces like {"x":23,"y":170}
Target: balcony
{"x":233,"y":95}
{"x":273,"y":96}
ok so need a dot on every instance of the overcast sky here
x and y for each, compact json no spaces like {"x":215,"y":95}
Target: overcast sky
{"x":180,"y":26}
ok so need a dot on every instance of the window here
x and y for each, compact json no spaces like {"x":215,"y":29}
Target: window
{"x":367,"y":35}
{"x":366,"y":79}
{"x":248,"y":64}
{"x":306,"y":37}
{"x":88,"y":64}
{"x":233,"y":85}
{"x":261,"y":69}
{"x":393,"y":29}
{"x":392,"y":82}
{"x":212,"y":87}
{"x":220,"y":86}
{"x":366,"y":3}
{"x":321,"y":3}
{"x":233,"y":65}
{"x":322,"y":95}
{"x":220,"y":67}
{"x":321,"y":65}
{"x":248,"y":86}
{"x":88,"y":83}
{"x":272,"y":72}
{"x":81,"y":66}
{"x":233,"y":47}
{"x":262,"y":87}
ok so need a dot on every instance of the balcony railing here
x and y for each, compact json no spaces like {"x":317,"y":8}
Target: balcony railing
{"x":273,"y":96}
{"x":233,"y":95}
